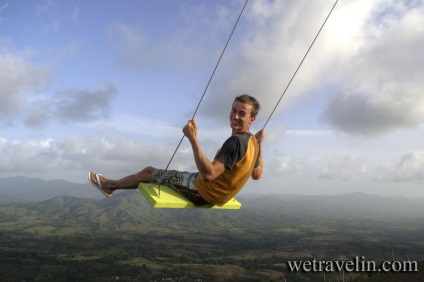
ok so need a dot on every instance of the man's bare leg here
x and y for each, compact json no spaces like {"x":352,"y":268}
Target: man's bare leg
{"x":128,"y":182}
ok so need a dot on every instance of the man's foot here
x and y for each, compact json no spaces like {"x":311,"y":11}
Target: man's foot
{"x":98,"y":181}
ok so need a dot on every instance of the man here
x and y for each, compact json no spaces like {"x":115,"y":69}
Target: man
{"x":239,"y":158}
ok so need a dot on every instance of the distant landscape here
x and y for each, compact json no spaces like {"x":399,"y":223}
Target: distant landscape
{"x":63,"y":231}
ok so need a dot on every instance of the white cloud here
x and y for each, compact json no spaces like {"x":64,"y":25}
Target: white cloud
{"x":410,"y":168}
{"x":114,"y":155}
{"x":381,"y":84}
{"x":347,"y":167}
{"x":368,"y":57}
{"x":20,"y":83}
{"x":143,"y":126}
{"x":71,"y":106}
{"x":283,"y":165}
{"x":273,"y":42}
{"x":73,"y":157}
{"x":18,"y":80}
{"x":38,"y":114}
{"x":30,"y":156}
{"x":317,"y":165}
{"x":378,"y":161}
{"x":83,"y":105}
{"x":276,"y":134}
{"x":22,"y":98}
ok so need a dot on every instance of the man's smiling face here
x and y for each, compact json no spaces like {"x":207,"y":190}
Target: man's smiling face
{"x":241,"y":117}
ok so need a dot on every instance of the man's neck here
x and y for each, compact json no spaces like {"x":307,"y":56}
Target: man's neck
{"x":241,"y":131}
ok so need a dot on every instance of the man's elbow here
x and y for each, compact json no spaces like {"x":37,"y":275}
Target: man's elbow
{"x":207,"y":177}
{"x":256,"y":175}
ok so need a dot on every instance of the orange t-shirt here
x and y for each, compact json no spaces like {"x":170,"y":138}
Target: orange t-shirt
{"x":239,"y":154}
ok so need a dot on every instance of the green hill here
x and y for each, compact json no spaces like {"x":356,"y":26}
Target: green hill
{"x":68,"y":238}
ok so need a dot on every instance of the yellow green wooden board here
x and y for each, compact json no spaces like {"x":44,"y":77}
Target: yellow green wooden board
{"x":168,"y":198}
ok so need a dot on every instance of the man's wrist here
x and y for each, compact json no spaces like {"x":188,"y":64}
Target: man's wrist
{"x":193,"y":140}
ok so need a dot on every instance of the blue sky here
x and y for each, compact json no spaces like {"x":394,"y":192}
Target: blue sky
{"x":107,"y":86}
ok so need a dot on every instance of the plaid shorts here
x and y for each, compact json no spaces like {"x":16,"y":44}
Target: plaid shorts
{"x":182,"y":182}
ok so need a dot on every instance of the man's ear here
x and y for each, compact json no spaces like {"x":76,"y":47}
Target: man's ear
{"x":252,"y":119}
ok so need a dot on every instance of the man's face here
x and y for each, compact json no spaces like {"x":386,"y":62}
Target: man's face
{"x":240,"y":117}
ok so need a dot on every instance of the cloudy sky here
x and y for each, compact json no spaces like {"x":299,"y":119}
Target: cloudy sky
{"x":107,"y":86}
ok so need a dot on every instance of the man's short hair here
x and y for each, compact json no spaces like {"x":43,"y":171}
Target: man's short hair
{"x":247,"y":99}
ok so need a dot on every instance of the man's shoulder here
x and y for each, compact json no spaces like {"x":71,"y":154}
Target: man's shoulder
{"x":242,"y":137}
{"x":237,"y":141}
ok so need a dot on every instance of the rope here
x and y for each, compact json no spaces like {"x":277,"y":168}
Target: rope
{"x":306,"y":54}
{"x":207,"y":85}
{"x":219,"y":60}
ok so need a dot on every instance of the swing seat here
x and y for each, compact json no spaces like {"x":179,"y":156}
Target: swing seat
{"x":169,"y":198}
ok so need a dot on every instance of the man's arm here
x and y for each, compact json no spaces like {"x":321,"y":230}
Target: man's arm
{"x":257,"y":171}
{"x":208,"y":170}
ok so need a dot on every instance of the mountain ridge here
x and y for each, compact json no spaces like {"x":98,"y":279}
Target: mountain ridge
{"x":36,"y":190}
{"x":31,"y":189}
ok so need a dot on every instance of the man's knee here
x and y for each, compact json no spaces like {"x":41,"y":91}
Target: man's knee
{"x":149,"y":169}
{"x":146,"y":174}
